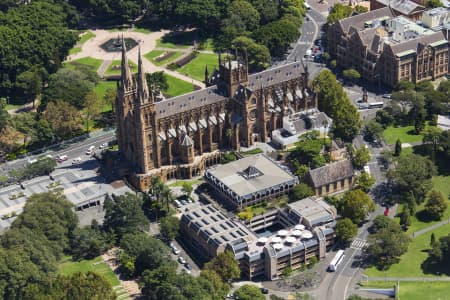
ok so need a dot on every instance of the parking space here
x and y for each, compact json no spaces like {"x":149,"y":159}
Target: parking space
{"x":185,"y":262}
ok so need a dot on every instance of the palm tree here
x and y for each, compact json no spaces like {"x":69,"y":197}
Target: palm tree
{"x":229,"y":134}
{"x":167,"y":196}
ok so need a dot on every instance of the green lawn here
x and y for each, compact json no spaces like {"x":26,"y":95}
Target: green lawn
{"x":75,"y":50}
{"x":416,"y":290}
{"x":177,"y":86}
{"x":142,"y":30}
{"x":440,"y":183}
{"x":155,"y":53}
{"x":181,"y":182}
{"x":67,"y":267}
{"x":410,"y":262}
{"x":165,"y":44}
{"x":252,"y":151}
{"x":405,"y":134}
{"x":196,"y":68}
{"x":85,"y":37}
{"x":207,"y":45}
{"x":101,"y":88}
{"x":114,"y":67}
{"x":13,"y":106}
{"x":94,"y":63}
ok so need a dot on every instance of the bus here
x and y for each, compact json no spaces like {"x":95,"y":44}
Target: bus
{"x":308,"y":7}
{"x":338,"y":258}
{"x":376,"y":105}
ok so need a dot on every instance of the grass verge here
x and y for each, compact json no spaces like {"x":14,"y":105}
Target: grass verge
{"x":177,"y":86}
{"x":68,"y":267}
{"x":406,"y":134}
{"x":114,"y":67}
{"x":85,"y":37}
{"x":155,"y":53}
{"x":410,"y":262}
{"x":196,"y":68}
{"x":91,"y":62}
{"x":142,"y":30}
{"x":74,"y":50}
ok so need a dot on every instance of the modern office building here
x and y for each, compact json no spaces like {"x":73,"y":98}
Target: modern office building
{"x":305,"y":230}
{"x":250,"y":180}
{"x":385,"y":48}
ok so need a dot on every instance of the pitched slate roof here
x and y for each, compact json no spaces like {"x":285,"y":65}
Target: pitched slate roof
{"x":414,"y":43}
{"x":331,"y":173}
{"x":405,"y":7}
{"x":275,"y":76}
{"x":359,"y":20}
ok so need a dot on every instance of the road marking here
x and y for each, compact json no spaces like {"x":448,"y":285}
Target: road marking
{"x":359,"y":244}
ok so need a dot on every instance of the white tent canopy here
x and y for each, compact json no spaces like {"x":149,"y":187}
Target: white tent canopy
{"x":297,"y":232}
{"x":282,"y":232}
{"x":300,"y":227}
{"x":277,"y":246}
{"x":290,"y":239}
{"x":276,"y":240}
{"x":307,"y":234}
{"x":263,"y":240}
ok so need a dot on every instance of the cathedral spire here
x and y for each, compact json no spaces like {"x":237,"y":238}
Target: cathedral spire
{"x":126,"y":78}
{"x":143,"y":94}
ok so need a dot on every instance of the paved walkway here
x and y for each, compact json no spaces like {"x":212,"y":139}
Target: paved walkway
{"x":147,"y":43}
{"x":430,"y":228}
{"x":408,"y":278}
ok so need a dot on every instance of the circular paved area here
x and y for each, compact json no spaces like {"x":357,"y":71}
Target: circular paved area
{"x":147,"y":43}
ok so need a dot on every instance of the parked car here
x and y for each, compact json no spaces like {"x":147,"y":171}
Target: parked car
{"x":90,"y":150}
{"x":181,"y":260}
{"x":103,"y":146}
{"x":62,"y":158}
{"x":188,"y":266}
{"x":183,"y":202}
{"x":387,"y":96}
{"x":175,"y":250}
{"x":264,"y":291}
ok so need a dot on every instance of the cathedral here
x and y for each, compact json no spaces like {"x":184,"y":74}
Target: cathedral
{"x":181,"y":136}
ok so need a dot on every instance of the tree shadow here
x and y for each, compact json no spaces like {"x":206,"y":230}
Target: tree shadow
{"x":411,"y":132}
{"x":429,"y":266}
{"x":424,"y":216}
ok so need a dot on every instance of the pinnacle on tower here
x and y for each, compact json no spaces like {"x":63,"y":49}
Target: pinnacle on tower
{"x":126,"y":78}
{"x":143,"y":93}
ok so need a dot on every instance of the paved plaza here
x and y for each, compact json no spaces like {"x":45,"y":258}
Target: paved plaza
{"x":80,"y":183}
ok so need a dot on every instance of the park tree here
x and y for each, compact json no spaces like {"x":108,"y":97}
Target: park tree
{"x":89,"y":242}
{"x":268,"y":10}
{"x":258,"y":55}
{"x":361,"y":157}
{"x":92,"y":108}
{"x":433,"y":3}
{"x":346,"y":230}
{"x":338,"y":12}
{"x":124,"y":215}
{"x":405,"y":217}
{"x":300,"y":191}
{"x":356,"y":205}
{"x":169,"y":227}
{"x":365,"y":181}
{"x":336,"y":104}
{"x":10,"y":139}
{"x":387,"y":244}
{"x":110,"y":98}
{"x":225,"y":265}
{"x":277,"y":36}
{"x":404,"y":85}
{"x":29,"y":84}
{"x":68,"y":85}
{"x":431,"y":136}
{"x":398,"y":148}
{"x":249,"y":292}
{"x":432,"y":240}
{"x":242,"y":16}
{"x":440,"y":252}
{"x":374,"y":131}
{"x":187,"y":189}
{"x":351,"y":75}
{"x":308,"y":149}
{"x":213,"y":285}
{"x":88,"y":285}
{"x":436,"y":205}
{"x":64,"y":118}
{"x":157,"y":82}
{"x":413,"y":174}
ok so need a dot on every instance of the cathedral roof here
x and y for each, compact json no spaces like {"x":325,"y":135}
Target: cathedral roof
{"x":187,"y":141}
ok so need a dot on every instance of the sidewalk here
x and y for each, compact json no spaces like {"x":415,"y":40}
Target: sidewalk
{"x":430,"y":228}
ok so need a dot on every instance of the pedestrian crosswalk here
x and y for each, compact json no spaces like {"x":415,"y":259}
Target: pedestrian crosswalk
{"x":359,"y":244}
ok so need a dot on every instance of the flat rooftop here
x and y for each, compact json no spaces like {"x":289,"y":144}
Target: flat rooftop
{"x":315,"y":210}
{"x":250,"y":175}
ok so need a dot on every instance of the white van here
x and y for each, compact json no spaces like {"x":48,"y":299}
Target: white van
{"x":90,"y":150}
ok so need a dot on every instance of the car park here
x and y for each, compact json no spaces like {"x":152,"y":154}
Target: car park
{"x":62,"y":158}
{"x":181,"y":260}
